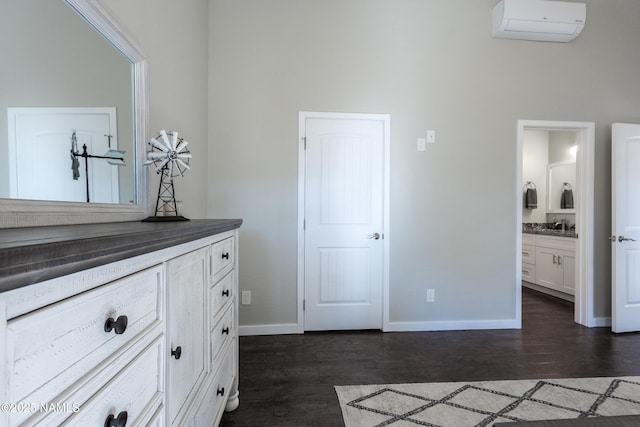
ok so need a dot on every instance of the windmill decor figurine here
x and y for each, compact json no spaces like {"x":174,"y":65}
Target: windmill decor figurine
{"x":169,"y":156}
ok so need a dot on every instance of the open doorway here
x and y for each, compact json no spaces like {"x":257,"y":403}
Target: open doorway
{"x":566,"y":246}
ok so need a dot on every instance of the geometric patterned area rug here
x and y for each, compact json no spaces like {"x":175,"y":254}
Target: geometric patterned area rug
{"x":462,"y":404}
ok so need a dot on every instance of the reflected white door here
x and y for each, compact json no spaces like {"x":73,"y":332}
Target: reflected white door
{"x":625,"y":215}
{"x":343,"y":248}
{"x":40,"y":153}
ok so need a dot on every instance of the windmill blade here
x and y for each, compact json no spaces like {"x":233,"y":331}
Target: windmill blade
{"x":186,"y":155}
{"x":181,"y":146}
{"x":186,"y":166}
{"x":159,"y":167}
{"x":155,"y":143}
{"x":165,"y":140}
{"x":171,"y":169}
{"x":152,"y":155}
{"x":174,"y":140}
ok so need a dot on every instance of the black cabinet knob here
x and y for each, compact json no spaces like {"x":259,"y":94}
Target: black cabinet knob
{"x":225,"y":331}
{"x":225,"y":255}
{"x":119,"y":325}
{"x":119,"y":421}
{"x":225,"y":293}
{"x":177,"y":352}
{"x":220,"y":391}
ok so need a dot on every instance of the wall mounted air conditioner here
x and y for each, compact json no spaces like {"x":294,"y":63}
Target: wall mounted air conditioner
{"x":540,"y":20}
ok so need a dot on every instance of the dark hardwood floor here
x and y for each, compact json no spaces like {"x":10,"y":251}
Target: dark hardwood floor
{"x":288,"y":380}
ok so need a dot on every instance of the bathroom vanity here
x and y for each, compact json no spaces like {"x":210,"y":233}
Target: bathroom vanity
{"x":549,"y":262}
{"x":119,"y":324}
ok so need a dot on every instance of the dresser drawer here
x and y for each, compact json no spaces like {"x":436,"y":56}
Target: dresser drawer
{"x":222,"y":258}
{"x":136,"y":390}
{"x":217,"y":394}
{"x":220,"y":293}
{"x":221,"y":333}
{"x":53,"y":347}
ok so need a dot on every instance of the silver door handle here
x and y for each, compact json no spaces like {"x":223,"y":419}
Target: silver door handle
{"x":554,"y":259}
{"x":623,"y":239}
{"x":374,"y":236}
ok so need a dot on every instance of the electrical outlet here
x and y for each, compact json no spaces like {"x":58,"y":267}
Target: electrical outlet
{"x":431,"y":136}
{"x":421,"y":145}
{"x":246,"y":297}
{"x":431,"y":295}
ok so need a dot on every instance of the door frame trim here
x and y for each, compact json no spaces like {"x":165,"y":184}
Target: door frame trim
{"x":585,"y":178}
{"x":386,"y":120}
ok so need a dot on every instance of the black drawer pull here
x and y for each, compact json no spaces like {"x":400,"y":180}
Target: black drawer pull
{"x":113,"y":421}
{"x":225,"y":255}
{"x":225,"y":293}
{"x":225,"y":331}
{"x":177,"y":352}
{"x":220,"y":391}
{"x":119,"y":325}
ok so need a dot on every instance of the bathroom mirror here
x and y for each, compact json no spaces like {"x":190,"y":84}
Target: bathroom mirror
{"x":68,"y":55}
{"x":561,"y":177}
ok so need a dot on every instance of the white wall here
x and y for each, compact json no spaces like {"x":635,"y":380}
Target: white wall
{"x":174,"y":37}
{"x":535,"y":157}
{"x":431,"y":65}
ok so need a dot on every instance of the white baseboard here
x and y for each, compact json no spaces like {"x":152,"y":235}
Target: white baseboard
{"x":284,"y":329}
{"x":452,"y":325}
{"x":293,"y":328}
{"x":601,"y":322}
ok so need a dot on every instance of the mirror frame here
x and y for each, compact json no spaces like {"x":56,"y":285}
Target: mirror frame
{"x":27,"y":213}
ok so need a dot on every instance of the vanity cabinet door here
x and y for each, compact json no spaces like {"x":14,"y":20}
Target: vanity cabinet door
{"x":547,"y":272}
{"x":556,"y":263}
{"x":186,"y":281}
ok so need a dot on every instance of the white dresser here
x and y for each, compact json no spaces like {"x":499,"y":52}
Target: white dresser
{"x":142,"y":340}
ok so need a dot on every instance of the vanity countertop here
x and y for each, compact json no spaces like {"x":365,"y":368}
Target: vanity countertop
{"x":547,"y":232}
{"x":34,"y":254}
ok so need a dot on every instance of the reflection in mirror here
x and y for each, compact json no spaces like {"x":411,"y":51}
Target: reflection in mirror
{"x":61,"y":77}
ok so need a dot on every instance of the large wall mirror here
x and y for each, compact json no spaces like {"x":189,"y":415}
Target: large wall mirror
{"x":70,"y":79}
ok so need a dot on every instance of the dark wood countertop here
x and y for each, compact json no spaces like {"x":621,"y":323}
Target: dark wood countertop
{"x":34,"y":254}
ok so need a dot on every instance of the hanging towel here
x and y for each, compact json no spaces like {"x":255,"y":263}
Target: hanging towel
{"x":75,"y":167}
{"x":566,"y":200}
{"x":531,"y":198}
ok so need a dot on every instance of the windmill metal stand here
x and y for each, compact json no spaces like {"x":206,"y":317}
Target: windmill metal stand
{"x":166,"y":206}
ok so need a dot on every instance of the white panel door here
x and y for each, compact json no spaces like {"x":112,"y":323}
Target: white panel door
{"x":625,"y":215}
{"x":343,"y":223}
{"x":40,"y":154}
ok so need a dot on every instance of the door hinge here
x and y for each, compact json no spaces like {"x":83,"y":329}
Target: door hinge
{"x":304,"y":305}
{"x":304,"y":140}
{"x":304,"y":224}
